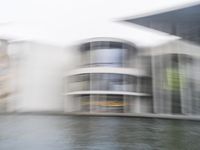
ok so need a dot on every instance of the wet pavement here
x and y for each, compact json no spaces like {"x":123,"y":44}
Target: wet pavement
{"x":37,"y":132}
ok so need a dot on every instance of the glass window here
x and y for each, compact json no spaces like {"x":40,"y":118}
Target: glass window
{"x":85,"y":103}
{"x":130,"y":83}
{"x":107,"y":53}
{"x":111,"y":82}
{"x":111,"y":57}
{"x":79,"y":82}
{"x":107,"y":103}
{"x":145,"y":85}
{"x":116,"y":82}
{"x":108,"y":82}
{"x":115,"y":103}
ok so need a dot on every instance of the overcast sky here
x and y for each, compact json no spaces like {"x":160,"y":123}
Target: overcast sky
{"x":64,"y":22}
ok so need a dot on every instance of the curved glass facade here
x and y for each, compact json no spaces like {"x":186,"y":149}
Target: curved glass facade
{"x":105,"y":53}
{"x":109,"y":82}
{"x":111,"y":103}
{"x":110,"y":92}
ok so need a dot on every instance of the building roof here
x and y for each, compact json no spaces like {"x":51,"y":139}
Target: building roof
{"x":183,"y":22}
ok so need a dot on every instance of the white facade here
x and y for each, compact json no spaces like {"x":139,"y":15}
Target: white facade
{"x":38,"y":79}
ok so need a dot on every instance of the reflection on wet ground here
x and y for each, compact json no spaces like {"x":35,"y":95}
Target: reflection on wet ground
{"x":34,"y":132}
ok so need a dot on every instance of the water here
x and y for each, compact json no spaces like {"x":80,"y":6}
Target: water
{"x":29,"y":132}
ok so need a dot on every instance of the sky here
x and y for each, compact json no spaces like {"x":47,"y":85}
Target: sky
{"x":65,"y":22}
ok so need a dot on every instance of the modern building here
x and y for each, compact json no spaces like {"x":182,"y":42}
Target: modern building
{"x":109,"y":73}
{"x":175,"y":76}
{"x":175,"y":65}
{"x":112,"y":76}
{"x":173,"y":68}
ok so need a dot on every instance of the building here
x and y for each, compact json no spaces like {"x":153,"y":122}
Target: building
{"x":175,"y":65}
{"x":111,"y":76}
{"x":180,"y":21}
{"x":109,"y":73}
{"x":175,"y":75}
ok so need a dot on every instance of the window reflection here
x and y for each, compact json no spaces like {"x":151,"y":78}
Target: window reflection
{"x":106,"y":57}
{"x":145,"y":84}
{"x":109,"y":82}
{"x":79,"y":82}
{"x":105,"y":53}
{"x":112,"y":103}
{"x":108,"y":103}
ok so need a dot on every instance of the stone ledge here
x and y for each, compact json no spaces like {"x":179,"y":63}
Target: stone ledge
{"x":93,"y":114}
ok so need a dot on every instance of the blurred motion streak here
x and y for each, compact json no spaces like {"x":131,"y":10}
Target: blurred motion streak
{"x":108,"y":70}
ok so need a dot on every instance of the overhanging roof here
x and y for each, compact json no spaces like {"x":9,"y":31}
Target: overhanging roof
{"x":183,"y":22}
